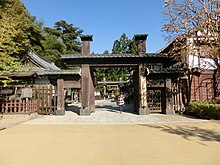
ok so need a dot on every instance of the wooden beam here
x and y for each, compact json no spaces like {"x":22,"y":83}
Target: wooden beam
{"x":72,"y":84}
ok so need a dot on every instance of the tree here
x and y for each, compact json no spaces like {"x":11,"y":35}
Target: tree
{"x":52,"y":49}
{"x":106,"y":52}
{"x":198,"y":20}
{"x":14,"y":39}
{"x":68,"y":34}
{"x":124,"y":45}
{"x":61,"y":39}
{"x":36,"y":34}
{"x":194,"y":27}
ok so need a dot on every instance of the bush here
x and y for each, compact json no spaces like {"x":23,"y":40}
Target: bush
{"x":203,"y":110}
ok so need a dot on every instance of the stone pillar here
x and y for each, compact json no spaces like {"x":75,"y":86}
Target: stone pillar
{"x":169,"y":97}
{"x":143,"y":107}
{"x":60,"y":98}
{"x":141,"y":39}
{"x":87,"y":86}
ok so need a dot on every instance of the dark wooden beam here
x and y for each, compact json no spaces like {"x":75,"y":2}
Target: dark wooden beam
{"x":72,"y":84}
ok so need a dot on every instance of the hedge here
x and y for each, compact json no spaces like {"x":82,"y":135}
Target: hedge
{"x":203,"y":110}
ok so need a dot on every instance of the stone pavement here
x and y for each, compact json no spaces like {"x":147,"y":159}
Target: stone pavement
{"x":107,"y":112}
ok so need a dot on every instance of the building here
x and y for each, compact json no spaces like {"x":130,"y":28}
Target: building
{"x":201,"y":80}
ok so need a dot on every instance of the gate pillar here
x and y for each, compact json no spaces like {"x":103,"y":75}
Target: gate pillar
{"x":169,"y":97}
{"x":140,"y":93}
{"x":143,"y":107}
{"x":87,"y":86}
{"x":60,"y":98}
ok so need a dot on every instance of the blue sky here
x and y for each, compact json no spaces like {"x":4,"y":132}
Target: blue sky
{"x":106,"y":20}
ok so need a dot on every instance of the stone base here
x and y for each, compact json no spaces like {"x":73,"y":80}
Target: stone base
{"x":144,"y":111}
{"x":59,"y":112}
{"x":169,"y":111}
{"x":84,"y":112}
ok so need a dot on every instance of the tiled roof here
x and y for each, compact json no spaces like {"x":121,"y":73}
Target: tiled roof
{"x":79,"y":56}
{"x":167,"y":71}
{"x":42,"y":63}
{"x":19,"y":74}
{"x":60,"y":72}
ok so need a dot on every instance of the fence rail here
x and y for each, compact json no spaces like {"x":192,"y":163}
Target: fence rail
{"x":43,"y":100}
{"x":19,"y":107}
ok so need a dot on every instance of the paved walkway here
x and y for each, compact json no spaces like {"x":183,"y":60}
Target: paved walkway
{"x":107,"y":113}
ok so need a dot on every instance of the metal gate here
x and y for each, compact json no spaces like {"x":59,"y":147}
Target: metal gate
{"x":154,"y":99}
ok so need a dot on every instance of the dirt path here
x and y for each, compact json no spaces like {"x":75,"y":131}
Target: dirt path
{"x":194,"y":144}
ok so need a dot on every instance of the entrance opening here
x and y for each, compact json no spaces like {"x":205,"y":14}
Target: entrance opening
{"x":109,"y":83}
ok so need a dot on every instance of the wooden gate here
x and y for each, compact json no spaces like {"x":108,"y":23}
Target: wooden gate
{"x":46,"y":96}
{"x":154,"y":99}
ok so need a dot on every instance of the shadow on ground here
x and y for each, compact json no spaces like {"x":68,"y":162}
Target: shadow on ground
{"x":72,"y":108}
{"x":188,"y":132}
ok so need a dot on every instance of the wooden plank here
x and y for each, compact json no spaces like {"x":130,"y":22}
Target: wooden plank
{"x":42,"y":102}
{"x":19,"y":107}
{"x":72,"y":84}
{"x":46,"y":99}
{"x":55,"y":99}
{"x":50,"y":99}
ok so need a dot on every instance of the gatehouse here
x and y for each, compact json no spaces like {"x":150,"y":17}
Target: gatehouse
{"x":156,"y":78}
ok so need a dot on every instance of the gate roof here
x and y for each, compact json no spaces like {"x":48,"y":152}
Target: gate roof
{"x":117,"y":60}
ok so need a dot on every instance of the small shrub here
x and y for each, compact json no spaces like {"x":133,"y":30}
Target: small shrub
{"x":203,"y":110}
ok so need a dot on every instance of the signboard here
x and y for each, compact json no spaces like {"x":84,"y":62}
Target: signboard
{"x":26,"y":93}
{"x":143,"y":91}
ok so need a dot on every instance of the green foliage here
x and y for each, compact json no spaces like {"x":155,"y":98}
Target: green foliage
{"x":203,"y":110}
{"x":106,"y":52}
{"x":14,"y":28}
{"x":68,"y":34}
{"x":36,"y":34}
{"x":121,"y":46}
{"x":124,"y":45}
{"x":52,"y":49}
{"x":51,"y":43}
{"x":14,"y":39}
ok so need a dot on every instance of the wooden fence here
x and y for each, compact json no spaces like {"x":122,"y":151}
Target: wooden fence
{"x":43,"y":101}
{"x":19,"y":107}
{"x":46,"y":96}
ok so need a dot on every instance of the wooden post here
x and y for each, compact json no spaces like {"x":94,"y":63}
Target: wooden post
{"x":92,"y":91}
{"x":50,"y":98}
{"x":87,"y":87}
{"x":136,"y":91}
{"x":143,"y":107}
{"x":141,"y":39}
{"x":169,"y":97}
{"x":60,"y":98}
